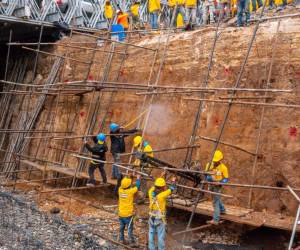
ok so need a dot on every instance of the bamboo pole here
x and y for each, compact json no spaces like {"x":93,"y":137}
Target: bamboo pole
{"x":39,"y":180}
{"x":148,"y":87}
{"x":293,"y":193}
{"x":226,"y":144}
{"x":152,"y":178}
{"x":71,"y":137}
{"x":59,"y":56}
{"x":67,"y":45}
{"x":113,"y":41}
{"x":73,"y":188}
{"x":249,"y":186}
{"x":192,"y":229}
{"x":279,"y":105}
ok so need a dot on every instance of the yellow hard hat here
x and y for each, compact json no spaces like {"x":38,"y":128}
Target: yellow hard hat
{"x":160,"y":182}
{"x":137,"y":141}
{"x":218,"y":156}
{"x":125,"y":183}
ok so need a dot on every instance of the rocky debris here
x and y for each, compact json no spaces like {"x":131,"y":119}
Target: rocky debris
{"x":24,"y":226}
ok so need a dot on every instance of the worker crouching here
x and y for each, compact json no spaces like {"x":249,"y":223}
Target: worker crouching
{"x":219,"y":174}
{"x":126,"y":209}
{"x":157,"y":211}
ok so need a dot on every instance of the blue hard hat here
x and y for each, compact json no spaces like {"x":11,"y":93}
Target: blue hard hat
{"x":145,"y":143}
{"x":101,"y":137}
{"x":113,"y":127}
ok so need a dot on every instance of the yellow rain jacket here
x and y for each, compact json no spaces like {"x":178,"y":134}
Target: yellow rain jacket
{"x":108,"y":11}
{"x":135,"y":9}
{"x":148,"y":150}
{"x":221,"y":171}
{"x":159,"y":203}
{"x":171,"y":3}
{"x":126,"y":201}
{"x":191,"y":3}
{"x":154,"y":5}
{"x":180,"y":2}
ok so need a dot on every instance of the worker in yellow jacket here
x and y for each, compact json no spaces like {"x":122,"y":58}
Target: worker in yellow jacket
{"x":126,"y":210}
{"x":191,"y":11}
{"x":142,"y":147}
{"x":109,"y":12}
{"x":158,"y":195}
{"x":134,"y":10}
{"x":219,"y":175}
{"x":154,"y":8}
{"x":179,"y":8}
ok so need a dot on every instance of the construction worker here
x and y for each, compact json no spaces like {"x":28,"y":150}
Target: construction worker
{"x":220,"y":174}
{"x":117,"y":136}
{"x":98,"y":153}
{"x":171,"y":5}
{"x":109,"y":12}
{"x":154,"y":8}
{"x":143,"y":147}
{"x":254,"y":4}
{"x":158,"y":195}
{"x":126,"y":210}
{"x":208,"y":9}
{"x":122,"y":18}
{"x":134,"y":10}
{"x":224,"y":8}
{"x":243,"y":7}
{"x":191,"y":11}
{"x":180,"y":8}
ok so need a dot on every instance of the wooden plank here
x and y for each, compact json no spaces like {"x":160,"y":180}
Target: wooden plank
{"x":65,"y":171}
{"x":223,"y":216}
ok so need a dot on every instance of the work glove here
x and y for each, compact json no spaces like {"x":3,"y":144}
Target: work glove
{"x":224,"y":180}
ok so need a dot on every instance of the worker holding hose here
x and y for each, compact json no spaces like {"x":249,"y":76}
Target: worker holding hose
{"x":158,"y":195}
{"x":220,"y":174}
{"x":126,"y":209}
{"x":143,"y":147}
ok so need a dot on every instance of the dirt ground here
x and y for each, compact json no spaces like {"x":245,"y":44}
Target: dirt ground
{"x":99,"y":209}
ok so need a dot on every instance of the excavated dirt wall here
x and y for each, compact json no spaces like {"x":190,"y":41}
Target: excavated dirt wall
{"x":172,"y":117}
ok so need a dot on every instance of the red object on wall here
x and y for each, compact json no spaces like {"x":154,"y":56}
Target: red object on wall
{"x":293,"y":131}
{"x":90,"y":77}
{"x":82,"y":114}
